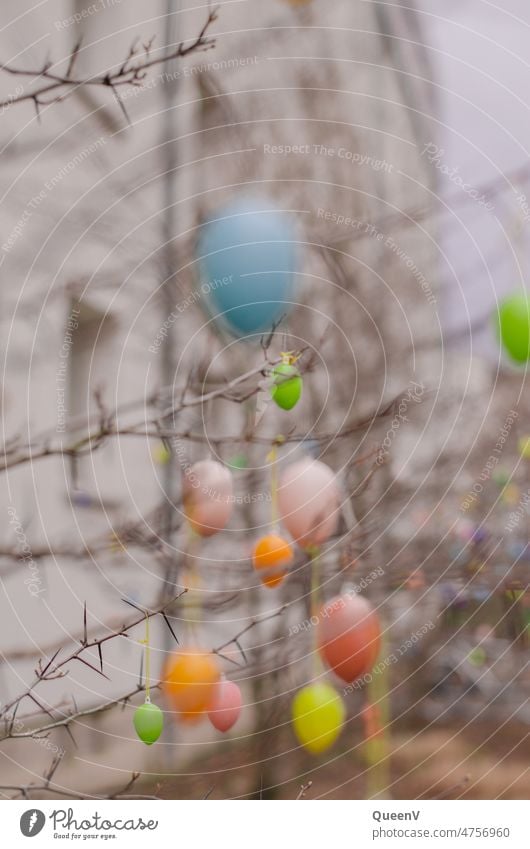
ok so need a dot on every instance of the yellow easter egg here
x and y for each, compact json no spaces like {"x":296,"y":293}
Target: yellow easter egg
{"x":318,"y":715}
{"x":524,"y":447}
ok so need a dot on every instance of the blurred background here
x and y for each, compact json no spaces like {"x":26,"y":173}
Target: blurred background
{"x":392,"y":140}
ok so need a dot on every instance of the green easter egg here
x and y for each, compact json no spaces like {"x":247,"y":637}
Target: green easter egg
{"x":148,"y":721}
{"x":513,"y":324}
{"x":287,"y":387}
{"x":500,"y":477}
{"x":318,"y":716}
{"x":477,"y":656}
{"x":238,"y":461}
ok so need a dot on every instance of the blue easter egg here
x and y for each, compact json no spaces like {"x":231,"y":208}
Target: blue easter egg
{"x":247,"y":256}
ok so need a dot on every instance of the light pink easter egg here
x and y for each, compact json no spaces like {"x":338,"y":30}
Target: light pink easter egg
{"x":226,"y":705}
{"x":309,"y":502}
{"x":207,"y":497}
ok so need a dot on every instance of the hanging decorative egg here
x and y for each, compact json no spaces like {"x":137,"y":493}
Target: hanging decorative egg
{"x":207,"y":497}
{"x":318,"y":714}
{"x":190,"y":680}
{"x":248,"y":260}
{"x":148,"y":722}
{"x":271,"y":559}
{"x":225,"y":709}
{"x":477,"y":656}
{"x":161,"y":454}
{"x":513,"y":326}
{"x":349,"y":636}
{"x":239,"y":461}
{"x":524,"y":447}
{"x":500,"y":477}
{"x":465,"y":529}
{"x":286,"y":390}
{"x":511,"y":495}
{"x":309,"y":502}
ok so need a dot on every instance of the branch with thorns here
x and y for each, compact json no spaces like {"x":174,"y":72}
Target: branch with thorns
{"x":50,"y":670}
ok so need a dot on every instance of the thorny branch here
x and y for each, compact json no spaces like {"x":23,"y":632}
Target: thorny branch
{"x":52,"y":670}
{"x":54,"y":87}
{"x":54,"y":667}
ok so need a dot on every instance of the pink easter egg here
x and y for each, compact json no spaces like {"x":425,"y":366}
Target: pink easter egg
{"x":226,"y":705}
{"x":207,"y":497}
{"x":349,"y":636}
{"x":309,"y":502}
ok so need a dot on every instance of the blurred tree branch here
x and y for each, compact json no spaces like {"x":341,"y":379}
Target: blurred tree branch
{"x":56,"y":87}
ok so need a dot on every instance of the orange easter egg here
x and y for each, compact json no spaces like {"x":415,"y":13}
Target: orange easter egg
{"x":349,"y":636}
{"x":207,"y":497}
{"x":271,"y":558}
{"x":189,"y":682}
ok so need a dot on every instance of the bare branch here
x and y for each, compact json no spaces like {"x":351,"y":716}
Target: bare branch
{"x":56,"y":87}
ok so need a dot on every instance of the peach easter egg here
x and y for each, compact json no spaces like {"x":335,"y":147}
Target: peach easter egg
{"x":349,"y":636}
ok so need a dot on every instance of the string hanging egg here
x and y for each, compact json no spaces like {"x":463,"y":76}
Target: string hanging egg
{"x":226,"y":706}
{"x":189,"y":682}
{"x":247,"y":261}
{"x":148,"y":722}
{"x":309,"y":502}
{"x":349,"y":636}
{"x":148,"y":719}
{"x":271,"y":559}
{"x":318,"y":715}
{"x":208,"y":497}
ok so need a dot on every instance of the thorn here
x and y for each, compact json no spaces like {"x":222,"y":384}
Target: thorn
{"x":93,"y":668}
{"x":132,"y":604}
{"x":120,"y":103}
{"x":70,"y":734}
{"x":44,"y":671}
{"x":166,"y":620}
{"x":73,"y":56}
{"x":238,"y":644}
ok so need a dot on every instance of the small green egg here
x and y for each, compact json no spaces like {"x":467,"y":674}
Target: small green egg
{"x":238,"y":461}
{"x":513,"y":326}
{"x":287,"y":387}
{"x":148,"y":722}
